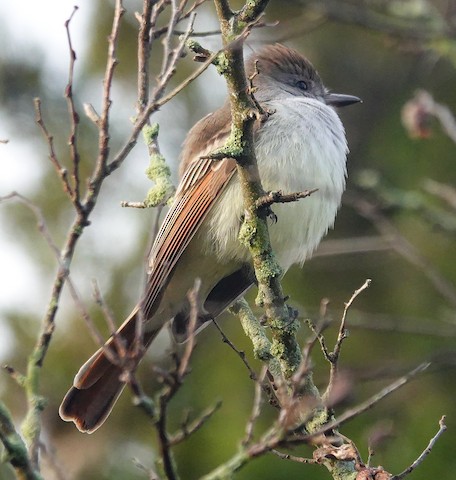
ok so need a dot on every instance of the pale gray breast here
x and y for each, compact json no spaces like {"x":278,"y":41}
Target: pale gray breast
{"x":301,"y":146}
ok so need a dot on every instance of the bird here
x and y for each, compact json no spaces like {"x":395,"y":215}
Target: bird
{"x":300,"y":145}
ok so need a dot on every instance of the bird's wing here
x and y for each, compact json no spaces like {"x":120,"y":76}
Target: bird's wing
{"x":200,"y":186}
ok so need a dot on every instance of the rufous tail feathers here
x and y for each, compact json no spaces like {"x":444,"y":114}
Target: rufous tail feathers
{"x":98,"y":383}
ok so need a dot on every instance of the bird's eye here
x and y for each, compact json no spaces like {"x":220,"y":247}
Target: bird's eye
{"x":302,"y":85}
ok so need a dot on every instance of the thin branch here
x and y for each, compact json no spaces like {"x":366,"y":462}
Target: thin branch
{"x":425,"y":453}
{"x":101,"y":170}
{"x":15,"y":448}
{"x":278,"y":197}
{"x":61,"y":171}
{"x":256,"y":408}
{"x":239,"y":353}
{"x":154,"y":105}
{"x":187,"y":430}
{"x":342,"y":335}
{"x":74,"y":117}
{"x":144,"y":50}
{"x":367,"y":405}
{"x":184,"y":363}
{"x":287,"y":456}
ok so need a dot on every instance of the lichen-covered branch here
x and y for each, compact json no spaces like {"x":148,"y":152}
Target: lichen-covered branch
{"x":254,"y":232}
{"x":15,"y":449}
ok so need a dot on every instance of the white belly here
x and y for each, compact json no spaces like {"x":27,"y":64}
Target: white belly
{"x":301,"y":146}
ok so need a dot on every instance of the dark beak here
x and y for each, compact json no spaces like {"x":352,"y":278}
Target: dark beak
{"x":340,"y":100}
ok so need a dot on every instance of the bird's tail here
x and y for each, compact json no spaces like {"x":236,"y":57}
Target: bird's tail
{"x":98,"y":383}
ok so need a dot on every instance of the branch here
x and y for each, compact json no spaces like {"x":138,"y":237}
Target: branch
{"x":74,"y":117}
{"x":333,"y":357}
{"x":254,"y":231}
{"x":278,"y":197}
{"x":61,"y":171}
{"x":425,"y":453}
{"x":368,"y":404}
{"x":15,"y":448}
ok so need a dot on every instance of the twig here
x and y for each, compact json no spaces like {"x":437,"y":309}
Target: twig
{"x":154,"y":105}
{"x":61,"y":171}
{"x":74,"y":117}
{"x":101,"y":170}
{"x":256,"y":408}
{"x":239,"y":353}
{"x":425,"y":453}
{"x":18,"y":377}
{"x":174,"y":380}
{"x":364,"y":406}
{"x":144,"y":50}
{"x":151,"y":474}
{"x":15,"y":448}
{"x":193,"y":427}
{"x":278,"y":197}
{"x":317,"y":331}
{"x":45,"y":232}
{"x":287,"y":456}
{"x":342,"y":335}
{"x":192,"y":297}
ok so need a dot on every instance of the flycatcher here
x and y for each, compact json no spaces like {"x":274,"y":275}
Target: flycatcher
{"x":300,"y":146}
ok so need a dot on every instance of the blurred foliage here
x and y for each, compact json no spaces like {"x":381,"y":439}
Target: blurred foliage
{"x":396,"y":324}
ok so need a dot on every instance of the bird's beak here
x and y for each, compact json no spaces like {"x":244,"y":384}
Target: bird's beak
{"x":340,"y":100}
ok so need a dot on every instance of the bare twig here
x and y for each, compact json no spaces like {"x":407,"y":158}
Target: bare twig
{"x":61,"y":171}
{"x":189,"y":429}
{"x":151,"y":474}
{"x":45,"y":232}
{"x":239,"y":353}
{"x":190,"y":344}
{"x":174,"y":380}
{"x":74,"y":118}
{"x":317,"y":331}
{"x":293,"y":458}
{"x":256,"y":408}
{"x":368,"y":404}
{"x":425,"y":453}
{"x":342,"y":335}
